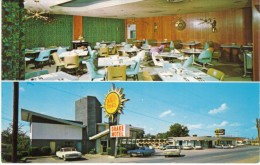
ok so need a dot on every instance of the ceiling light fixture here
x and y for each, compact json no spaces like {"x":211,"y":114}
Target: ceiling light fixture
{"x":37,"y":13}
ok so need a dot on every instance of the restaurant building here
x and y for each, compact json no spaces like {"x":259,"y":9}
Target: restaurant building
{"x":85,"y":133}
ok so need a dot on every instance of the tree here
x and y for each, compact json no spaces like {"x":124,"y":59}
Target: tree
{"x":178,"y":130}
{"x":23,"y":139}
{"x":149,"y":136}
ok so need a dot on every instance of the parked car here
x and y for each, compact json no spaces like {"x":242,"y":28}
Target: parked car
{"x":68,"y":153}
{"x":198,"y":147}
{"x":171,"y":150}
{"x":162,"y":147}
{"x":187,"y":147}
{"x":141,"y":151}
{"x":219,"y":147}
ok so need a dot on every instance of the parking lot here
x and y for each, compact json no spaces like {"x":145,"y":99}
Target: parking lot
{"x":249,"y":154}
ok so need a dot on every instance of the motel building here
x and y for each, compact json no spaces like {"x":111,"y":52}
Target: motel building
{"x":85,"y":133}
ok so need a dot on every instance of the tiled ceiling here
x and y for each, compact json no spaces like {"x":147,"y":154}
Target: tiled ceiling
{"x":134,"y":8}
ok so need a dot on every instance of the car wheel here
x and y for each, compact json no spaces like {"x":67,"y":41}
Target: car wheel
{"x":131,"y":155}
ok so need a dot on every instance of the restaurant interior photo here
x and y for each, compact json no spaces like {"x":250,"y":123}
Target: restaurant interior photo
{"x":131,"y":40}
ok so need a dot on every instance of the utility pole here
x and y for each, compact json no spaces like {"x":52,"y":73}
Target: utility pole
{"x":15,"y":120}
{"x":258,"y":129}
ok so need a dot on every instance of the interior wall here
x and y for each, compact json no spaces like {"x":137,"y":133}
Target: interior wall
{"x":59,"y":32}
{"x":99,"y":29}
{"x":232,"y":26}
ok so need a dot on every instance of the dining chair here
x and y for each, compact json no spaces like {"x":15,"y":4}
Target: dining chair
{"x":43,"y":56}
{"x":104,"y":51}
{"x":134,"y":71}
{"x":158,"y":60}
{"x":216,"y":73}
{"x":147,"y":76}
{"x":171,"y":46}
{"x":116,"y":73}
{"x":97,"y":46}
{"x":61,"y":50}
{"x":71,"y":62}
{"x":57,"y":60}
{"x":94,"y":73}
{"x":35,"y":74}
{"x":205,"y":58}
{"x":188,"y":62}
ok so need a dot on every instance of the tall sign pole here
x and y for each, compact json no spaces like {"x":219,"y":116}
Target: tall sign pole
{"x":258,"y":129}
{"x":15,"y":120}
{"x":113,"y":107}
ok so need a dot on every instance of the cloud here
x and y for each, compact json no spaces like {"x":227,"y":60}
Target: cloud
{"x":165,"y":113}
{"x":194,"y":126}
{"x":220,"y":109}
{"x":222,"y":124}
{"x":235,"y":124}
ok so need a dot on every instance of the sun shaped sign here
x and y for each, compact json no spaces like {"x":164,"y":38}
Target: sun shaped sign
{"x":114,"y":102}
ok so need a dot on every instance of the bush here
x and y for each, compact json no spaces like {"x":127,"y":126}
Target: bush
{"x":23,"y":153}
{"x":34,"y":151}
{"x":45,"y":150}
{"x":109,"y":150}
{"x":121,"y":150}
{"x":92,"y":151}
{"x":7,"y":157}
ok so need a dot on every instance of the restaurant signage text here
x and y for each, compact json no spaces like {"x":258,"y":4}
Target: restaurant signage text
{"x":119,"y":131}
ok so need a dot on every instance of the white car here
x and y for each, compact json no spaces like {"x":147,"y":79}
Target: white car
{"x":187,"y":147}
{"x":171,"y":150}
{"x":198,"y":147}
{"x":68,"y":153}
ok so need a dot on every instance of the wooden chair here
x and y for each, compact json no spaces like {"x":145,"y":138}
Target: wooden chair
{"x":147,"y":76}
{"x":57,"y":60}
{"x":71,"y":62}
{"x":104,"y":51}
{"x":116,"y":73}
{"x":216,"y":73}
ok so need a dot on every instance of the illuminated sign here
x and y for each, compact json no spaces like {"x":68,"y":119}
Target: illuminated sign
{"x":119,"y":131}
{"x":114,"y":102}
{"x":219,"y":131}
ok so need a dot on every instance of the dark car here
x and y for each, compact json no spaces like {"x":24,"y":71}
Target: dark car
{"x":141,"y":151}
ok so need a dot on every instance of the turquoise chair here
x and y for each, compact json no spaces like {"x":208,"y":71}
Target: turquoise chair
{"x":188,"y":62}
{"x":133,"y":71}
{"x":204,"y":58}
{"x":206,"y":46}
{"x":43,"y":56}
{"x":35,"y":74}
{"x":61,"y":50}
{"x":94,"y":73}
{"x":171,"y":46}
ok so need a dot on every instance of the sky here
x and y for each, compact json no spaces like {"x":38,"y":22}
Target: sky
{"x":202,"y":107}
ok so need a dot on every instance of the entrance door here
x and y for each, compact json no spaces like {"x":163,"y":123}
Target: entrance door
{"x":53,"y":147}
{"x":104,"y":145}
{"x":79,"y":147}
{"x":210,"y":144}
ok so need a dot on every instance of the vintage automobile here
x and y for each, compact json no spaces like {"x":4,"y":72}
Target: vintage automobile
{"x":171,"y":150}
{"x":68,"y":153}
{"x":187,"y":147}
{"x":198,"y":148}
{"x":162,"y":147}
{"x":141,"y":151}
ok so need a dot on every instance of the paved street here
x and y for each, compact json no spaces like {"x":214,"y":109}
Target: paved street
{"x":249,"y":154}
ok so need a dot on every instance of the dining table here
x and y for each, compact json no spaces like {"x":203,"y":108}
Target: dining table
{"x":115,"y":61}
{"x":231,"y":47}
{"x":188,"y":74}
{"x":191,"y":44}
{"x":80,"y":53}
{"x":56,"y":76}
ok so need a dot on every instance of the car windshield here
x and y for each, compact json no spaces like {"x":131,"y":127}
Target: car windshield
{"x":69,"y":149}
{"x":171,"y":147}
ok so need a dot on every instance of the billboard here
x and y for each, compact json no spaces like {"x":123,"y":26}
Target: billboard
{"x":119,"y":131}
{"x":220,"y":131}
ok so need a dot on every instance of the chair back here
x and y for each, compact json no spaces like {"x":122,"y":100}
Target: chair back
{"x":36,"y":73}
{"x":89,"y":49}
{"x":140,"y":55}
{"x":44,"y":55}
{"x":205,"y":56}
{"x":206,"y":46}
{"x":147,"y":76}
{"x":248,"y":60}
{"x":216,"y":73}
{"x":171,"y":46}
{"x":61,"y":50}
{"x":57,"y":59}
{"x":104,"y":51}
{"x":114,"y":50}
{"x":188,"y":62}
{"x":71,"y":61}
{"x":158,"y":60}
{"x":116,"y":73}
{"x":161,"y":48}
{"x":154,"y":49}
